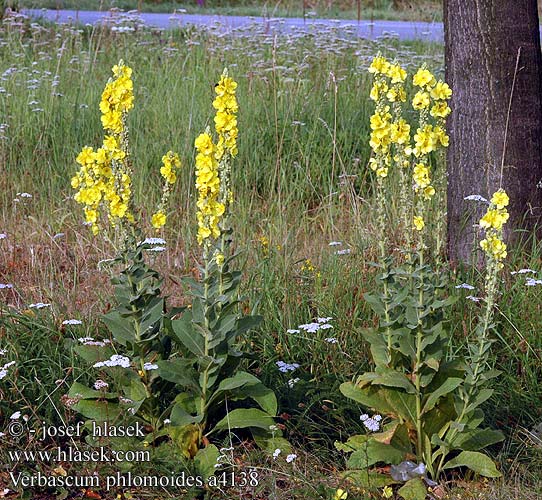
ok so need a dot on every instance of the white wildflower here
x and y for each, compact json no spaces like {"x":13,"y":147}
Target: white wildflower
{"x":466,"y":286}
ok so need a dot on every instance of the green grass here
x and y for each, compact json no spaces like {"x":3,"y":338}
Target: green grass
{"x":301,"y":181}
{"x":418,"y":10}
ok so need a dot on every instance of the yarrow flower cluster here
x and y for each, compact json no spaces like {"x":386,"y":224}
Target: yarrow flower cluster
{"x":493,"y":221}
{"x":371,"y":423}
{"x":286,"y":367}
{"x":104,"y":180}
{"x":114,"y":360}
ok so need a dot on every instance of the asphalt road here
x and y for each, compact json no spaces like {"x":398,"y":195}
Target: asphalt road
{"x":366,"y":29}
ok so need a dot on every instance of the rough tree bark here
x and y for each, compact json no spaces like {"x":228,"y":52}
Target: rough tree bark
{"x":494,"y":66}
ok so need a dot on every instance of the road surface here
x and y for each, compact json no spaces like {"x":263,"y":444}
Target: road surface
{"x":402,"y":29}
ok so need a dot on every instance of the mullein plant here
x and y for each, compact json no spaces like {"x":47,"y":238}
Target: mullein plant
{"x":431,"y":401}
{"x":211,"y":333}
{"x":137,"y":321}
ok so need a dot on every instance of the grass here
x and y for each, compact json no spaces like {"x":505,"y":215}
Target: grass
{"x":301,"y":182}
{"x":416,"y":10}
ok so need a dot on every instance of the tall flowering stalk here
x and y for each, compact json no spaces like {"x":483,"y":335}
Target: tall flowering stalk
{"x":380,"y":142}
{"x":430,"y":101}
{"x":474,"y":391}
{"x":104,"y":180}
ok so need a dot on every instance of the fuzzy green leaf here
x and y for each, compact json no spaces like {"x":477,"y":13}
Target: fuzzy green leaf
{"x":448,"y":386}
{"x":475,"y":461}
{"x":184,"y":332}
{"x":413,"y":490}
{"x":245,"y":417}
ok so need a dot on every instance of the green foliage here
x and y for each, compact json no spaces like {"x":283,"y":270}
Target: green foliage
{"x":415,"y":383}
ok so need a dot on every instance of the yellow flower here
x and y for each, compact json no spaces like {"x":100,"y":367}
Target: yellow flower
{"x":494,"y":219}
{"x":419,"y":223}
{"x":500,"y":199}
{"x":387,"y":492}
{"x":421,"y":100}
{"x":340,"y":494}
{"x":421,"y":175}
{"x":396,"y":73}
{"x":204,"y":144}
{"x":158,"y":220}
{"x":424,"y":78}
{"x":400,"y":132}
{"x":380,"y":65}
{"x":440,"y":110}
{"x":219,"y":257}
{"x":441,"y":91}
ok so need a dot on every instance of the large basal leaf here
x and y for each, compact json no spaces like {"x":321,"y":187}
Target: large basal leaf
{"x":374,"y":452}
{"x":353,"y":443}
{"x":238,"y":380}
{"x":264,"y":396}
{"x":152,"y":316}
{"x":478,"y":439}
{"x":475,"y":461}
{"x":205,"y":461}
{"x":366,"y":479}
{"x":93,"y":353}
{"x":448,"y":386}
{"x":414,"y":489}
{"x":366,"y":397}
{"x":247,"y":323}
{"x":245,"y":417}
{"x":100,"y":411}
{"x":80,"y":391}
{"x":136,"y":391}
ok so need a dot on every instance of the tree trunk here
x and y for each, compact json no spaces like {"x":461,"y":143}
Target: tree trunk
{"x":494,"y":67}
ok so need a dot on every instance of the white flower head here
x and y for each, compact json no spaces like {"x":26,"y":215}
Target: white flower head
{"x":324,"y":320}
{"x":8,"y":286}
{"x":149,"y":367}
{"x":523,"y":271}
{"x":532,"y":282}
{"x":473,"y":298}
{"x":153,"y":241}
{"x":476,"y":197}
{"x":16,"y":415}
{"x":466,"y":286}
{"x":310,"y":327}
{"x":335,"y":243}
{"x":276,"y":453}
{"x":114,"y":360}
{"x":292,"y":382}
{"x":292,"y":330}
{"x":331,"y":340}
{"x":38,"y":305}
{"x":345,"y":251}
{"x":72,"y":322}
{"x":291,"y":457}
